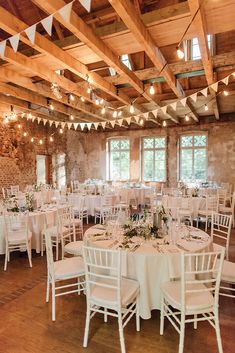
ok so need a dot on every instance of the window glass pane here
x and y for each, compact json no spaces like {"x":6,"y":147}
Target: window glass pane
{"x":115,"y":144}
{"x":148,"y":143}
{"x":160,"y":171}
{"x":186,"y":141}
{"x":200,"y":140}
{"x":160,"y":155}
{"x":115,"y":165}
{"x":124,"y":165}
{"x":41,"y":169}
{"x":119,"y":159}
{"x":186,"y":164}
{"x":160,"y":142}
{"x":148,"y":170}
{"x":148,"y":155}
{"x":200,"y":164}
{"x":124,"y":144}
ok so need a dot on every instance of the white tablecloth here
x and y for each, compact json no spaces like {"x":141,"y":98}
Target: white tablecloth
{"x":151,"y":267}
{"x":138,"y":194}
{"x":90,"y":201}
{"x":174,"y":202}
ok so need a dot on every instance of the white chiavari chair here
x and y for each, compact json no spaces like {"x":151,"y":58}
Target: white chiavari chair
{"x":195,"y":296}
{"x":221,"y":197}
{"x":211,"y":206}
{"x":107,"y":292}
{"x":229,"y":209}
{"x":15,"y":189}
{"x":62,"y":270}
{"x":221,"y":228}
{"x":106,"y":208}
{"x":185,"y":210}
{"x":17,"y":235}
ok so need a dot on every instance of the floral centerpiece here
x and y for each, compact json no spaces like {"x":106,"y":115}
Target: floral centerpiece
{"x":11,"y":204}
{"x":29,"y":199}
{"x":195,"y":192}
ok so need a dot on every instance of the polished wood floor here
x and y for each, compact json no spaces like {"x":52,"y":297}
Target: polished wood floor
{"x":26,"y":326}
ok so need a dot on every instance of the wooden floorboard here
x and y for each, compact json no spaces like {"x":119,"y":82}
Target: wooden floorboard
{"x":26,"y":324}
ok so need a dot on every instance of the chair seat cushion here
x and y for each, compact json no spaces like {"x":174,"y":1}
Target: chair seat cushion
{"x":18,"y":236}
{"x":69,"y":268}
{"x":74,"y":248}
{"x":193,"y":301}
{"x":228,"y":271}
{"x":129,"y":291}
{"x":53,"y":231}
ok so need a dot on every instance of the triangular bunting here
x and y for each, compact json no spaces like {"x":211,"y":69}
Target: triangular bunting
{"x":69,"y":125}
{"x":47,"y":24}
{"x":214,"y":86}
{"x":155,"y":113}
{"x":82,"y":125}
{"x":103,"y":123}
{"x":2,"y":48}
{"x":204,"y":91}
{"x":75,"y":125}
{"x":194,"y":97}
{"x":65,"y":11}
{"x":164,"y":109}
{"x":63,"y":125}
{"x":14,"y":40}
{"x":174,"y":105}
{"x":86,"y":4}
{"x":39,"y":120}
{"x":88,"y":126}
{"x":57,"y":123}
{"x":33,"y":118}
{"x":128,"y":120}
{"x":225,"y":80}
{"x":51,"y":122}
{"x":44,"y":121}
{"x":146,"y":115}
{"x":184,"y":101}
{"x":30,"y":32}
{"x":112,"y":122}
{"x":120,"y":122}
{"x":96,"y":125}
{"x":137,"y":118}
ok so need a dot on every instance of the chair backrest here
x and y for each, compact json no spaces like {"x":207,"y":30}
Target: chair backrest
{"x":233,"y":202}
{"x":103,"y":269}
{"x":49,"y":253}
{"x":15,"y":189}
{"x":16,"y":222}
{"x":225,"y":186}
{"x":221,"y":225}
{"x":200,"y":273}
{"x":221,"y":196}
{"x":211,"y":203}
{"x":186,"y":203}
{"x":107,"y":200}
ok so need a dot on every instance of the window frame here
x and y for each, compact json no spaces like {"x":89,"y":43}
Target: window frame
{"x":109,"y":151}
{"x":210,"y":39}
{"x":180,"y":148}
{"x":154,"y":149}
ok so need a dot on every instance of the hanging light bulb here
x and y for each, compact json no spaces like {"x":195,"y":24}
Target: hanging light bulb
{"x":25,"y":134}
{"x":225,"y":93}
{"x":152,"y":89}
{"x":115,"y":114}
{"x":51,"y":106}
{"x":97,"y":102}
{"x":132,"y":108}
{"x":180,"y":52}
{"x":30,"y":116}
{"x":6,"y":120}
{"x":164,"y":123}
{"x":19,"y":126}
{"x":61,"y":131}
{"x":40,"y":141}
{"x":89,"y":90}
{"x":32,"y":139}
{"x":71,"y":97}
{"x":102,"y":101}
{"x":51,"y":139}
{"x":141,"y":122}
{"x":103,"y":110}
{"x":206,"y":107}
{"x":233,"y":74}
{"x":71,"y":117}
{"x":187,"y":117}
{"x":120,"y":113}
{"x":82,"y":99}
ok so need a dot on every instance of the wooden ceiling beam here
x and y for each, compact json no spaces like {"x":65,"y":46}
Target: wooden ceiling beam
{"x":13,"y":25}
{"x":81,"y":30}
{"x":200,"y":23}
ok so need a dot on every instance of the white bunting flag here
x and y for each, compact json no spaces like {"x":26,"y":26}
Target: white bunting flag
{"x":47,"y":24}
{"x":63,"y":125}
{"x":96,"y":125}
{"x":214,"y":86}
{"x":88,"y":126}
{"x":30,"y":32}
{"x":69,"y":125}
{"x":44,"y":121}
{"x":120,"y":121}
{"x":51,"y":122}
{"x":82,"y":125}
{"x":163,"y":109}
{"x":174,"y":105}
{"x":65,"y":11}
{"x":112,"y":122}
{"x":14,"y":40}
{"x":194,"y":97}
{"x":128,"y":120}
{"x":103,"y":123}
{"x":39,"y":120}
{"x":146,"y":115}
{"x":155,"y":113}
{"x":184,"y":101}
{"x":86,"y":4}
{"x":137,"y":118}
{"x":75,"y":125}
{"x":225,"y":80}
{"x":33,"y":118}
{"x":205,"y":92}
{"x":2,"y":48}
{"x":57,"y":123}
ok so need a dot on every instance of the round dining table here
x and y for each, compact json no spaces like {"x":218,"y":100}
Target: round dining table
{"x":153,"y":261}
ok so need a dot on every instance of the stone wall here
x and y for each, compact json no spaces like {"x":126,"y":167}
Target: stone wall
{"x":221,"y":150}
